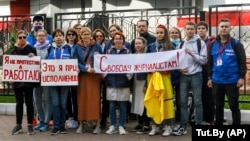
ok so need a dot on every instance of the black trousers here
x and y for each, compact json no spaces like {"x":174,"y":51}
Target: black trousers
{"x":207,"y":101}
{"x":72,"y":107}
{"x":105,"y":105}
{"x":21,"y":95}
{"x":232,"y":93}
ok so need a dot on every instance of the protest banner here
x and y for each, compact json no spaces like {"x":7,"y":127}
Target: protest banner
{"x":20,"y":68}
{"x":135,"y":63}
{"x":61,"y":72}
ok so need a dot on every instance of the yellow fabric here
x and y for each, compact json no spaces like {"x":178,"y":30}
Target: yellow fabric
{"x":159,"y":97}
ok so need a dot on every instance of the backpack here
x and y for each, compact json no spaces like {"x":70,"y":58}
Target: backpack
{"x":198,"y":44}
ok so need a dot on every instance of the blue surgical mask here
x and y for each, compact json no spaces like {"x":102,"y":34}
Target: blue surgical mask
{"x":176,"y":41}
{"x":37,"y":27}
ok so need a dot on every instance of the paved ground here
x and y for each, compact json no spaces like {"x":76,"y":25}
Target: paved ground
{"x":8,"y":122}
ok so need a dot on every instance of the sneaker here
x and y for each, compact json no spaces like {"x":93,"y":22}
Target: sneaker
{"x":70,"y":121}
{"x":30,"y":130}
{"x":137,"y":128}
{"x":44,"y":128}
{"x":144,"y":129}
{"x":179,"y":130}
{"x":97,"y":130}
{"x":63,"y":130}
{"x":17,"y":129}
{"x":122,"y":131}
{"x":155,"y":130}
{"x":79,"y":130}
{"x":73,"y":124}
{"x":55,"y":131}
{"x":38,"y":126}
{"x":167,"y":131}
{"x":112,"y":130}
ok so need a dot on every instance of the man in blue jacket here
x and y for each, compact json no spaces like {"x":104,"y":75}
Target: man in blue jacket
{"x":226,"y":72}
{"x":38,"y":23}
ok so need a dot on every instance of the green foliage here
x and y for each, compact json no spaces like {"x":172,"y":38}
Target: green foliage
{"x":7,"y":99}
{"x":12,"y":39}
{"x":244,"y":102}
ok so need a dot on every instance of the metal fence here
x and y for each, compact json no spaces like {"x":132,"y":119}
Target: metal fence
{"x":127,"y":19}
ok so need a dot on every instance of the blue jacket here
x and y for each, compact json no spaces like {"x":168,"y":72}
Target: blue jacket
{"x":117,"y":80}
{"x":31,"y":39}
{"x":81,"y":54}
{"x":233,"y":66}
{"x":63,"y":52}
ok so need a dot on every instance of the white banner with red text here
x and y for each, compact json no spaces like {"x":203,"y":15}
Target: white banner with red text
{"x":20,"y":68}
{"x":134,"y":63}
{"x":61,"y":72}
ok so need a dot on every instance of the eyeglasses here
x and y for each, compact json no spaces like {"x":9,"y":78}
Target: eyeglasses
{"x":21,"y":37}
{"x":174,"y":33}
{"x":99,"y":36}
{"x":70,"y":34}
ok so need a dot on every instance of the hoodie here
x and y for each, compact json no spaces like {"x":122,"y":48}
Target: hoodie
{"x":195,"y":62}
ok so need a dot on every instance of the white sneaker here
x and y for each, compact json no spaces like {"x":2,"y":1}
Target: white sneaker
{"x":112,"y":130}
{"x":97,"y":130}
{"x":79,"y":130}
{"x":122,"y":131}
{"x":155,"y":130}
{"x":73,"y":124}
{"x":69,"y":122}
{"x":167,"y":131}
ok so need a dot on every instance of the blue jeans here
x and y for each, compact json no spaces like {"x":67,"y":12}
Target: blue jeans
{"x":44,"y":110}
{"x":195,"y":81}
{"x":59,"y":96}
{"x":122,"y":109}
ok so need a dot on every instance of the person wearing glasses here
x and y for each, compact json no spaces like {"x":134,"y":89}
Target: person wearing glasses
{"x":72,"y":108}
{"x":89,"y":82}
{"x":23,"y":91}
{"x":38,"y":23}
{"x":118,"y":88}
{"x":99,"y":37}
{"x":78,"y":28}
{"x":44,"y":112}
{"x":112,"y":30}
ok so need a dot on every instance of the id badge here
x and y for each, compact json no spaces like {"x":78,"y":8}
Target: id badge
{"x":219,"y":61}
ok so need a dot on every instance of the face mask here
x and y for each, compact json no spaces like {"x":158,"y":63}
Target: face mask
{"x":36,"y":28}
{"x":175,"y":41}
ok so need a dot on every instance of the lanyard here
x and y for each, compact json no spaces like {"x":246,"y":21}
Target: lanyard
{"x":224,"y":47}
{"x":61,"y":55}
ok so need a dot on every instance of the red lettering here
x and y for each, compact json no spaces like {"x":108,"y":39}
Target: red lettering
{"x":6,"y":58}
{"x":60,"y":68}
{"x":101,"y":60}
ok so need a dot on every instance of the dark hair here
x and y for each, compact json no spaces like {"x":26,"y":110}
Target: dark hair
{"x":57,"y":31}
{"x":38,"y":18}
{"x":166,"y":36}
{"x":98,"y":30}
{"x":76,"y":25}
{"x":202,"y":23}
{"x":74,"y":32}
{"x":146,"y":21}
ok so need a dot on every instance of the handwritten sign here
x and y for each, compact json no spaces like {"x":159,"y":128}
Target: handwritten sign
{"x":20,"y":68}
{"x":133,"y":63}
{"x":61,"y":72}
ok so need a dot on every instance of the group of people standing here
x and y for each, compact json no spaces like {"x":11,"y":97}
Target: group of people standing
{"x":216,"y":66}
